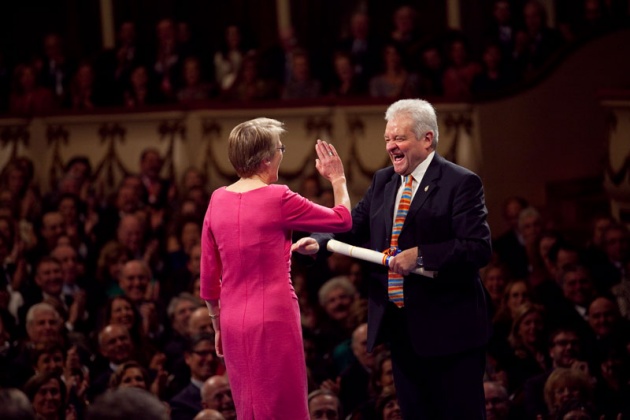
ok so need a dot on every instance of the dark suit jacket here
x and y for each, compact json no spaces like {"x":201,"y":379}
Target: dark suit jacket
{"x":354,"y":389}
{"x":447,"y":221}
{"x":187,"y":404}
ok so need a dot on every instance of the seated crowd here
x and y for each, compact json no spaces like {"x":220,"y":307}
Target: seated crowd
{"x":99,"y":293}
{"x":517,"y":42}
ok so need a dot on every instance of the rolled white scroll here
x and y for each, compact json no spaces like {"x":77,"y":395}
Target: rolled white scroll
{"x":370,"y":256}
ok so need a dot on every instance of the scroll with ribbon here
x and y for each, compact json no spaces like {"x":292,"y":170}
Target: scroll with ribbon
{"x":370,"y":256}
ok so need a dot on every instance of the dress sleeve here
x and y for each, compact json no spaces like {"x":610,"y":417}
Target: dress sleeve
{"x":211,"y":267}
{"x":302,"y":214}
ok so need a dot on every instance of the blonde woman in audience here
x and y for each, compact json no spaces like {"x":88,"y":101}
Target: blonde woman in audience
{"x":529,"y":348}
{"x":565,"y":384}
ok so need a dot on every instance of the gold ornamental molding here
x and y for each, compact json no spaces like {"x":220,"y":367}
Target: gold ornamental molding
{"x":315,"y":126}
{"x":13,"y":136}
{"x":171,"y":131}
{"x":111,"y":134}
{"x":56,"y":136}
{"x":211,"y":131}
{"x":356,"y":128}
{"x":455,"y":121}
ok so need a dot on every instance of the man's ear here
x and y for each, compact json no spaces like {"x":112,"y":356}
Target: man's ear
{"x":428,"y":137}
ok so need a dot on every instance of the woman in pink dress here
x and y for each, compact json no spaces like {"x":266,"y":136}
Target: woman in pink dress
{"x":246,"y":266}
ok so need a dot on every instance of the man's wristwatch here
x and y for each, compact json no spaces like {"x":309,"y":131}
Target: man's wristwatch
{"x":420,"y":261}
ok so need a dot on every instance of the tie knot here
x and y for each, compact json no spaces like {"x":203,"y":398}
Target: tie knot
{"x":408,"y":180}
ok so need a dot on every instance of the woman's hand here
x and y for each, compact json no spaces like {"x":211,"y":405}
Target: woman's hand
{"x":218,"y":344}
{"x":305,"y":246}
{"x":328,"y":162}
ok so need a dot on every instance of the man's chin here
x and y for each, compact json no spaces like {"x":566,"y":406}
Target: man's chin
{"x":400,"y":167}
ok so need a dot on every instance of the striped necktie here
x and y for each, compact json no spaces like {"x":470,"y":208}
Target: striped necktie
{"x":395,"y":281}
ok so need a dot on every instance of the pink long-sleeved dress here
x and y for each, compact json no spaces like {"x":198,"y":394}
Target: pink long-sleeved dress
{"x":246,"y":263}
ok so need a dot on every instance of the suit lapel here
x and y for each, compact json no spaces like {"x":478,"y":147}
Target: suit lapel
{"x":428,"y":185}
{"x":391,"y":188}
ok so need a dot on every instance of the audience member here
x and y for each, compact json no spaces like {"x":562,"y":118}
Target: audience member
{"x":406,"y":33}
{"x":84,"y":93}
{"x":202,"y":360}
{"x":229,"y":57}
{"x":116,"y":348}
{"x":495,"y":280}
{"x":387,"y":407}
{"x":140,"y":91}
{"x":209,"y":414}
{"x":362,"y":47}
{"x":498,"y":403}
{"x":564,"y":384}
{"x":250,"y":85}
{"x":57,"y":69}
{"x":460,"y":73}
{"x":167,"y":61}
{"x":538,"y":40}
{"x":324,"y":405}
{"x":527,"y":340}
{"x":27,"y":96}
{"x":565,"y":352}
{"x":502,"y":29}
{"x":495,"y":75}
{"x":127,"y":403}
{"x":509,"y":245}
{"x":301,"y":84}
{"x":612,"y":269}
{"x":47,"y":393}
{"x":216,"y":394}
{"x":395,"y":81}
{"x":355,"y":379}
{"x":14,"y":405}
{"x":194,"y":87}
{"x":345,"y":82}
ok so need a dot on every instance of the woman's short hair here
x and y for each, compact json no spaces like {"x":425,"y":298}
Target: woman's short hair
{"x":110,"y":253}
{"x":387,"y":394}
{"x":116,"y":379}
{"x":252,"y":142}
{"x":573,"y":378}
{"x":33,"y":385}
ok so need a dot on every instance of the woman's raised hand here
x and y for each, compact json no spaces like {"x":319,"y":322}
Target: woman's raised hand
{"x":328,"y":162}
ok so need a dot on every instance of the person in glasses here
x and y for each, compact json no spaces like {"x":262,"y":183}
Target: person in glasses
{"x":565,"y":351}
{"x":202,"y":360}
{"x":245,"y":269}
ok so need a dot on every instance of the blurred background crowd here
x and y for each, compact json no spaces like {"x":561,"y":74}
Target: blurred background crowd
{"x":101,"y":292}
{"x":413,"y":55}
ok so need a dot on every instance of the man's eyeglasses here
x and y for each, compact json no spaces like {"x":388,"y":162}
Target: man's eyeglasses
{"x":282,"y":148}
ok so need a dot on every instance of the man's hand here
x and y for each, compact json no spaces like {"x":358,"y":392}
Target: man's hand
{"x":405,"y":262}
{"x":305,"y":246}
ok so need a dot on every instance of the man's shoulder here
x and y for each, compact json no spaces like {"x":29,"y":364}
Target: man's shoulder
{"x":451,"y":167}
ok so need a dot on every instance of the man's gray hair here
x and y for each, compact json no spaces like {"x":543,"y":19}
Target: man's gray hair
{"x":421,"y":113}
{"x":127,"y":403}
{"x":40,"y":307}
{"x":339,"y":282}
{"x":184,"y":296}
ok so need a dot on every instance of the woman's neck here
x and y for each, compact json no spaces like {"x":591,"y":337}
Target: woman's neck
{"x":255,"y":179}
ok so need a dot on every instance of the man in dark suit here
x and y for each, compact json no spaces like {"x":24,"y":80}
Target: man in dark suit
{"x":202,"y":360}
{"x":438,"y":336}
